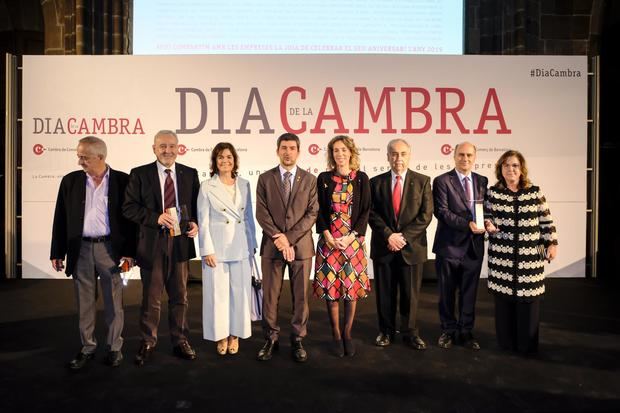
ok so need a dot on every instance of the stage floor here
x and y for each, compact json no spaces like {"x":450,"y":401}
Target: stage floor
{"x":577,"y":369}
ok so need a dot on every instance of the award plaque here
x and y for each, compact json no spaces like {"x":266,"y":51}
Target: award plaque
{"x":175,"y":231}
{"x":479,"y":214}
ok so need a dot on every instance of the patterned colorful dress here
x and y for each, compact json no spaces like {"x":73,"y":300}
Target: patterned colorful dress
{"x":341,"y":274}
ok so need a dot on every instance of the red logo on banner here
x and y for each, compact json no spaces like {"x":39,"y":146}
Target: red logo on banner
{"x":38,"y":149}
{"x":182,"y":149}
{"x":446,"y":149}
{"x":314,"y":149}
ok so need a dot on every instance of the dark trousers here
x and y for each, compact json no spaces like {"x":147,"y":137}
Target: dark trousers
{"x":516,"y":324}
{"x":169,"y":275}
{"x":273,"y":276}
{"x":458,"y":275}
{"x":393,"y":280}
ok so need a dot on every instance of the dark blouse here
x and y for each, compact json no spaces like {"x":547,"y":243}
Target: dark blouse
{"x":360,"y":206}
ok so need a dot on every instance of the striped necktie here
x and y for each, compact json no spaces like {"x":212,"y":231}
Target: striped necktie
{"x":286,"y":186}
{"x":170,"y":199}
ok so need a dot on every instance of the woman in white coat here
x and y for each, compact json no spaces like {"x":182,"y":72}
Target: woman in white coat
{"x":227,"y":243}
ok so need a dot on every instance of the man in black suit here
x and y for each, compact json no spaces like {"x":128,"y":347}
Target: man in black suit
{"x":163,"y":258}
{"x":90,"y":230}
{"x":459,"y":246}
{"x":402,"y":208}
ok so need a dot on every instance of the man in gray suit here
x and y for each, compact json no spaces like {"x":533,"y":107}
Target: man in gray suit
{"x":286,"y":209}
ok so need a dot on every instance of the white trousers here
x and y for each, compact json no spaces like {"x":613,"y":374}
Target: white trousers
{"x":226,"y":298}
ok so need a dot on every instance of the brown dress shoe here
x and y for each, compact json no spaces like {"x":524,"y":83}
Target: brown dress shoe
{"x":184,"y":350}
{"x":80,"y":360}
{"x":266,"y":352}
{"x":299,"y":353}
{"x":144,"y":353}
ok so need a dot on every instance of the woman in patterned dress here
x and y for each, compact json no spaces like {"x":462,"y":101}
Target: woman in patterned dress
{"x":341,"y":261}
{"x":519,"y":224}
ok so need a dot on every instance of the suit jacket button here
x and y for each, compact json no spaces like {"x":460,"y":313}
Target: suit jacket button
{"x":239,"y":222}
{"x":223,"y":209}
{"x":227,"y":221}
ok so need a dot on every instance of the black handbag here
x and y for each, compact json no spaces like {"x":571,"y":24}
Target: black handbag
{"x":256,"y":305}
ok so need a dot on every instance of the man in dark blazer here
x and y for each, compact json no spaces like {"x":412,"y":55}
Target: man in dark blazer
{"x":163,"y":258}
{"x":402,"y":208}
{"x":458,"y":246}
{"x":90,"y":230}
{"x":286,"y":209}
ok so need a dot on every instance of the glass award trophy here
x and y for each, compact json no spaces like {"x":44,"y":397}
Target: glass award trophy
{"x":479,"y":213}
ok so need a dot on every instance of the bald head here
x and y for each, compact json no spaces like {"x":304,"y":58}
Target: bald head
{"x":464,"y":157}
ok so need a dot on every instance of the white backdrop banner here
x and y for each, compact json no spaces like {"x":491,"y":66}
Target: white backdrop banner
{"x":535,"y":104}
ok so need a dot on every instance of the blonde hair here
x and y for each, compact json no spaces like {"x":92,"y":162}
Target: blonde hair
{"x":354,"y":162}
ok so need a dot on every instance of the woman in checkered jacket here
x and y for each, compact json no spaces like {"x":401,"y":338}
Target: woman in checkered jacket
{"x":522,"y":237}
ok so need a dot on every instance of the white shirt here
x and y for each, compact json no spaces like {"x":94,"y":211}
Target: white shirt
{"x":161,"y":171}
{"x":402,"y":182}
{"x":96,"y":217}
{"x":293,"y":171}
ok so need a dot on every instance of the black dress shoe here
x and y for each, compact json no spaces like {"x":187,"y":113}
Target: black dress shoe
{"x":184,"y":350}
{"x":414,"y":342}
{"x":113,"y":358}
{"x":144,"y":353}
{"x":266,"y":352}
{"x":383,"y":340}
{"x":445,"y":340}
{"x":337,"y":348}
{"x":80,"y":360}
{"x":349,"y":347}
{"x":468,"y":341}
{"x":298,"y":352}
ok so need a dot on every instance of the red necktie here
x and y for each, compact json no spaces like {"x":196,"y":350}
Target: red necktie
{"x":170,"y":199}
{"x":396,"y":197}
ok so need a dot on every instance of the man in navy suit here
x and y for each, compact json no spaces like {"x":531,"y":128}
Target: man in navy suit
{"x":90,"y":230}
{"x":402,"y":208}
{"x":458,"y":246}
{"x":153,"y":189}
